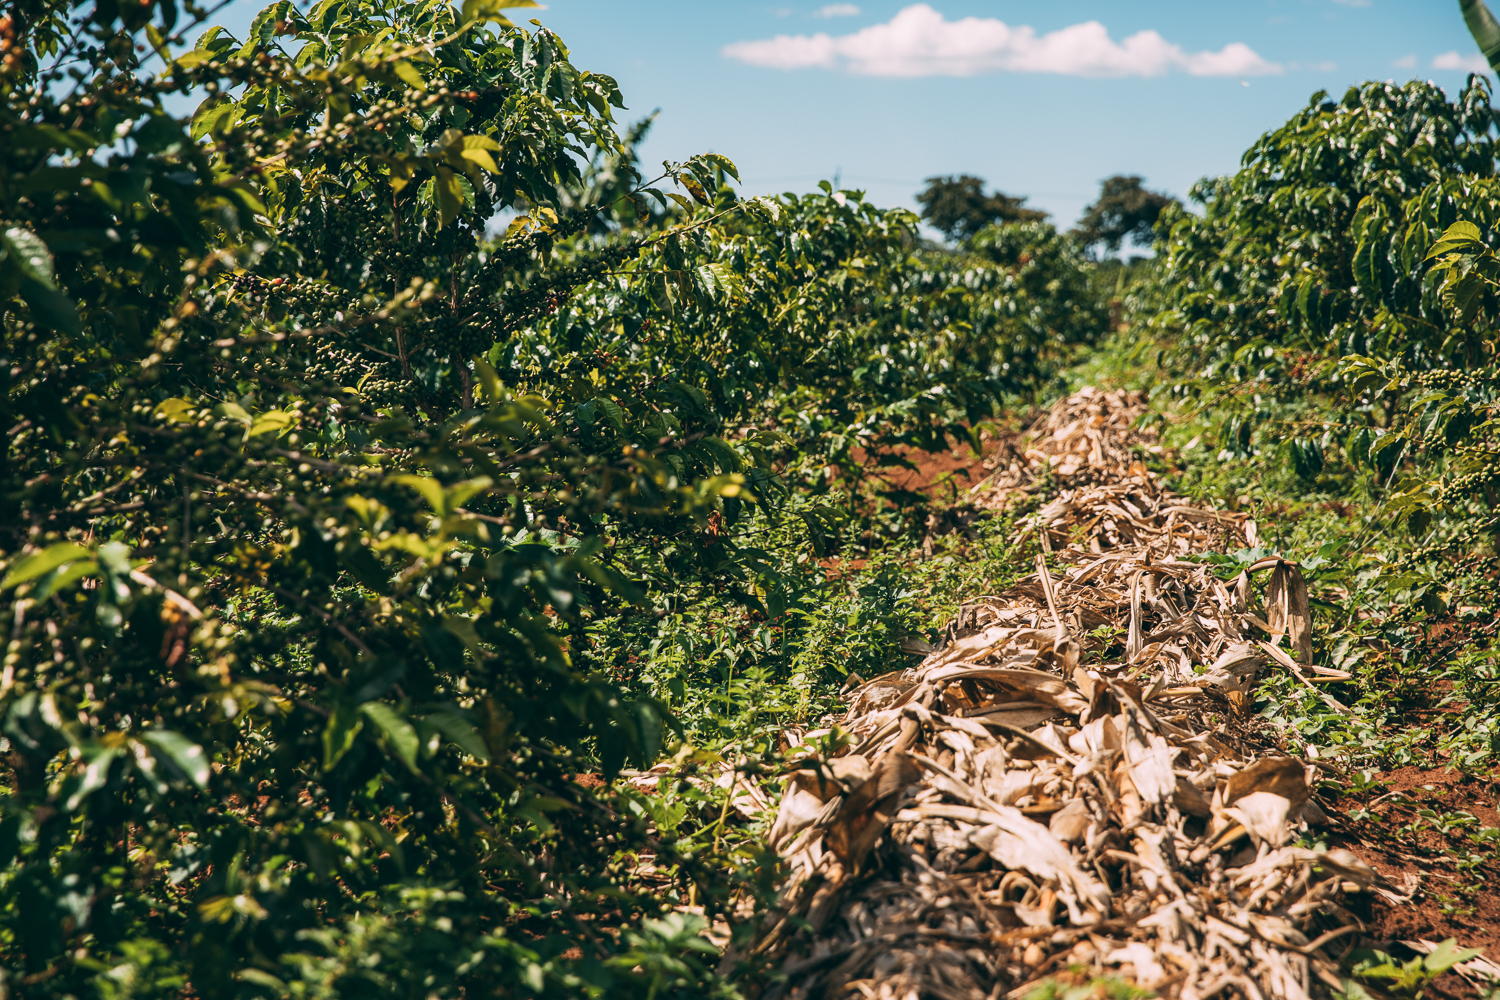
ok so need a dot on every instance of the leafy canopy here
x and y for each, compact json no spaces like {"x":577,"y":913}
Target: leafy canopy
{"x":340,"y":414}
{"x":1335,"y":303}
{"x":290,"y":568}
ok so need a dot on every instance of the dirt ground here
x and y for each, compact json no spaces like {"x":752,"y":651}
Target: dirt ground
{"x":1441,"y":908}
{"x":943,"y":475}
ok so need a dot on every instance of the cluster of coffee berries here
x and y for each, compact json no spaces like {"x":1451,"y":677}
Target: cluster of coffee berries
{"x":448,"y":336}
{"x":10,"y":44}
{"x":252,"y":289}
{"x":336,"y":365}
{"x":389,"y":392}
{"x":1457,"y":492}
{"x":1447,"y":378}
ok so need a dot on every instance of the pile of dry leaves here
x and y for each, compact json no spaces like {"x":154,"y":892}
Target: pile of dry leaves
{"x":1059,"y":785}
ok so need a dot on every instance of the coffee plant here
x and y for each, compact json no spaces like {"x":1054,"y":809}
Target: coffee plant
{"x":360,"y":422}
{"x":289,"y":702}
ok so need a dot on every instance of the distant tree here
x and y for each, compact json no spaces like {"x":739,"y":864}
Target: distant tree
{"x":958,"y":207}
{"x":1125,"y":210}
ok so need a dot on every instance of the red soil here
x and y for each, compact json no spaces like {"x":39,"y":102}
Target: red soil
{"x":944,"y":475}
{"x":1399,"y":842}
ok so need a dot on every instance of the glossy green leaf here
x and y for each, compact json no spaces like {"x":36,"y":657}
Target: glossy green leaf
{"x":399,"y":734}
{"x":28,"y":253}
{"x":45,"y":561}
{"x":95,"y":777}
{"x":489,"y":10}
{"x":181,"y":752}
{"x":409,"y":75}
{"x":177,"y":410}
{"x":1484,"y":28}
{"x":460,"y":732}
{"x":1461,"y":237}
{"x":270,"y":422}
{"x":431,"y":490}
{"x":450,"y":196}
{"x":339,"y":735}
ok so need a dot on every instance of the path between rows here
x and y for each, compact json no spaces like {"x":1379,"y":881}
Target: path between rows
{"x":1058,"y":791}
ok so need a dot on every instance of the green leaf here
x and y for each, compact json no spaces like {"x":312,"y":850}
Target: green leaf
{"x":159,"y":133}
{"x":190,"y":59}
{"x":1484,"y":28}
{"x":233,"y":411}
{"x":489,"y":10}
{"x":146,"y":767}
{"x":210,"y":41}
{"x":1461,"y":237}
{"x":769,"y":207}
{"x":50,"y":308}
{"x":463,"y":629}
{"x":382,"y":837}
{"x":212,"y":116}
{"x":431,"y":490}
{"x":177,"y":410}
{"x":491,"y":388}
{"x":482,"y":158}
{"x":339,"y":735}
{"x":460,"y":732}
{"x":1465,"y":294}
{"x":1448,"y":954}
{"x":605,"y":407}
{"x":181,"y":752}
{"x":95,"y":777}
{"x":450,"y":196}
{"x":30,"y":255}
{"x":270,"y":422}
{"x":260,"y":978}
{"x":461,"y":493}
{"x":517,"y":225}
{"x":59,"y":579}
{"x":263,"y":28}
{"x":42,"y":562}
{"x":724,"y":163}
{"x":409,"y":75}
{"x":399,"y":733}
{"x":695,"y":189}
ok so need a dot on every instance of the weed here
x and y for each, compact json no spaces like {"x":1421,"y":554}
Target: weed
{"x":1405,"y":979}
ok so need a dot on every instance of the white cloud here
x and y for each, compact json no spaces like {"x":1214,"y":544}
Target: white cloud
{"x":1452,"y":60}
{"x":1406,"y":62}
{"x":838,"y":10}
{"x":1353,"y":3}
{"x":918,"y":41}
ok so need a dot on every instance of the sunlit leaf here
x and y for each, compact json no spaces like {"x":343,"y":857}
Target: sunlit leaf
{"x":42,"y":562}
{"x":399,"y":734}
{"x":181,"y":752}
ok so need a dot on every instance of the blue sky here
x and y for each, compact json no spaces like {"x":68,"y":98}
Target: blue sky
{"x":1043,"y":115}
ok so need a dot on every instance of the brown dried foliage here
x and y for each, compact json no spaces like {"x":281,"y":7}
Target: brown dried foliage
{"x":1058,"y":787}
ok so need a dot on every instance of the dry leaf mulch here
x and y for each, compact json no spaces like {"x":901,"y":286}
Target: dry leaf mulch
{"x":1057,"y":786}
